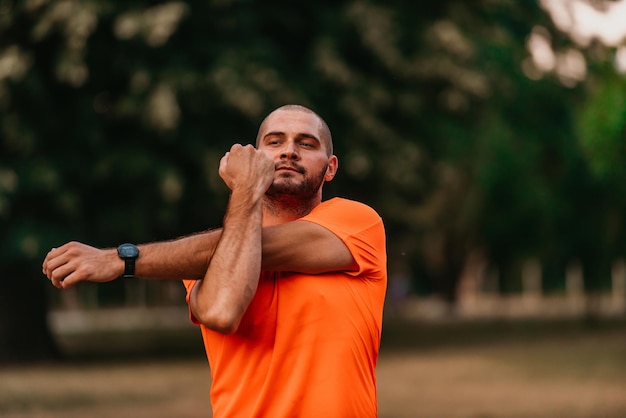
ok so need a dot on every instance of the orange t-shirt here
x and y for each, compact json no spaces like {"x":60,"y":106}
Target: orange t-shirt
{"x":307,"y":345}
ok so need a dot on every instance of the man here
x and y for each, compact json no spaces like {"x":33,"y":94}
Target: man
{"x":288,"y":294}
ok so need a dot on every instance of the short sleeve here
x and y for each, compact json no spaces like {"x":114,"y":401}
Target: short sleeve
{"x":189,"y":284}
{"x":360,"y":228}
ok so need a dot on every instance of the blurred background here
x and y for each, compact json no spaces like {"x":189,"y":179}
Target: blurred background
{"x":490,"y":135}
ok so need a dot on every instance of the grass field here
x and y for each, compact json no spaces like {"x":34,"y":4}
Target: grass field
{"x":464,"y":370}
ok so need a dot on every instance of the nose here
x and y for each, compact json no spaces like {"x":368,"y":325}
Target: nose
{"x":289,"y":152}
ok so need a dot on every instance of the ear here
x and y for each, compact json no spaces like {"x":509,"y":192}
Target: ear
{"x":331,"y":170}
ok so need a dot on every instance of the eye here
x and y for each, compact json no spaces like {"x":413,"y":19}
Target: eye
{"x":307,"y":145}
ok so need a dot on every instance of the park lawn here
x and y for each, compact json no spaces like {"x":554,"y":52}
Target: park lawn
{"x":439,"y":371}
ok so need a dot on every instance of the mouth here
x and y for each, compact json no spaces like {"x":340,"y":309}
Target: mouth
{"x":293,"y":168}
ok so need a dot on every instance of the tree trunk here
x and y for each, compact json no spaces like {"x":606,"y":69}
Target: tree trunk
{"x":454,"y":256}
{"x":24,"y":331}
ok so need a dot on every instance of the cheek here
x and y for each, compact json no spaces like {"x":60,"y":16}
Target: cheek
{"x":269,"y":153}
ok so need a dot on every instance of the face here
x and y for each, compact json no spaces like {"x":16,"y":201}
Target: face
{"x":292,"y":139}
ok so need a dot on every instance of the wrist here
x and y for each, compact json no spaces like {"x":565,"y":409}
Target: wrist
{"x":128,"y":254}
{"x":116,"y":263}
{"x":245,"y":198}
{"x":120,"y":265}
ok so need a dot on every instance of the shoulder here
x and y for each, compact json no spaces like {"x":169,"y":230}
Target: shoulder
{"x":345,"y":208}
{"x":346,"y":215}
{"x":360,"y":228}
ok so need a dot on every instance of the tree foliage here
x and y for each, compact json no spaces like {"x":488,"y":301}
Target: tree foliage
{"x":114,"y":115}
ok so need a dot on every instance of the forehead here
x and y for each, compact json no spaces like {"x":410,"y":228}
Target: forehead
{"x":291,"y":121}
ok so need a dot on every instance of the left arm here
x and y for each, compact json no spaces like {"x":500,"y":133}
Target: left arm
{"x":304,"y":247}
{"x":220,"y":299}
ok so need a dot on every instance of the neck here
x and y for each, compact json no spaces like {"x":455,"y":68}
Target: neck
{"x":286,"y":208}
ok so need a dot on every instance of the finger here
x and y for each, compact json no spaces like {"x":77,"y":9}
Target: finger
{"x":54,"y":263}
{"x":51,"y":252}
{"x":223,"y":164}
{"x":49,"y":255}
{"x":71,"y":280}
{"x":56,"y":252}
{"x":56,"y":280}
{"x":57,"y":284}
{"x":58,"y":275}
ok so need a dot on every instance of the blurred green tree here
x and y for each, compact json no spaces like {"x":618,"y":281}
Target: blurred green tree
{"x":114,"y":116}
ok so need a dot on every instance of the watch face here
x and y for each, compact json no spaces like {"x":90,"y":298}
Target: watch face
{"x":128,"y":251}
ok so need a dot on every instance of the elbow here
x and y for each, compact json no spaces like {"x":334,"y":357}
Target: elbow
{"x":220,"y":321}
{"x":225,"y":327}
{"x":219,"y":312}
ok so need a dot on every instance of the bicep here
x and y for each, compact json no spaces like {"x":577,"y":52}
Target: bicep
{"x":304,"y":247}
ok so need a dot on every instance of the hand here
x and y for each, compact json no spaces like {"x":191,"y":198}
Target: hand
{"x":75,"y":262}
{"x":248,"y":170}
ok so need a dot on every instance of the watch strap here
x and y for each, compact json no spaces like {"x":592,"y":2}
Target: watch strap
{"x":128,"y":253}
{"x":129,"y":268}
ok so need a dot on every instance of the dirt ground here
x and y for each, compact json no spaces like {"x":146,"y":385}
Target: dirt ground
{"x":436,"y":373}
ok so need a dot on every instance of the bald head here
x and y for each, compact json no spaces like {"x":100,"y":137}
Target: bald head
{"x":323,"y":129}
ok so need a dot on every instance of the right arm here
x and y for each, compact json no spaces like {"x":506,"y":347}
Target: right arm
{"x":186,"y":257}
{"x":295,"y":246}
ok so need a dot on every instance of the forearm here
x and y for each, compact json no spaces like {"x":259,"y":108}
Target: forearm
{"x":222,"y":297}
{"x":183,"y":258}
{"x":304,"y":247}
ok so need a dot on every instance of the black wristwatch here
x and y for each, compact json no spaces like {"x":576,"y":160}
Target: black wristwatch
{"x":128,"y":253}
